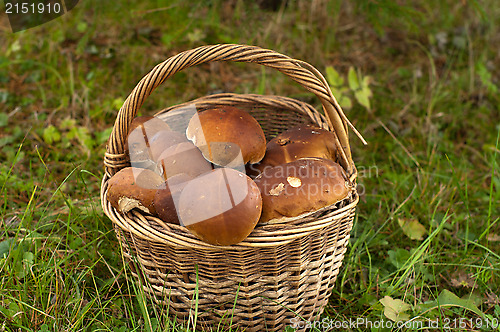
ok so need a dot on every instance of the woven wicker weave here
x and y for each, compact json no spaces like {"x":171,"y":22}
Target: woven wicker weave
{"x":280,"y":271}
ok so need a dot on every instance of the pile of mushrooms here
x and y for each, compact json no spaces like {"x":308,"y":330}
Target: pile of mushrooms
{"x":198,"y":179}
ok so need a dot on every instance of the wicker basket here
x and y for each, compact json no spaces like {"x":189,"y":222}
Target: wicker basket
{"x":281,"y":272}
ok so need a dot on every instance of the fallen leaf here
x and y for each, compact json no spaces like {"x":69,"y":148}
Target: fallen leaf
{"x":394,"y":309}
{"x":412,"y":228}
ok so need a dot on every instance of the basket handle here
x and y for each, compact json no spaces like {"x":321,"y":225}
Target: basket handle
{"x":300,"y":71}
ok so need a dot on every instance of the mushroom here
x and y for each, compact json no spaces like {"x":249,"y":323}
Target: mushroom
{"x":299,"y":142}
{"x":164,"y":140}
{"x":140,"y":137}
{"x":133,"y":187}
{"x":300,"y":187}
{"x":181,"y":158}
{"x":221,"y":207}
{"x":227,"y":136}
{"x":166,"y":199}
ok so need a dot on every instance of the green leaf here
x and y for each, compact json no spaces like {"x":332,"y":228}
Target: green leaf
{"x":5,"y":141}
{"x":81,"y":26}
{"x":352,"y":77}
{"x":365,"y":83}
{"x":337,"y":92}
{"x":51,"y":135}
{"x":448,"y":299}
{"x":83,"y":135}
{"x":394,"y":309}
{"x":364,"y":94}
{"x":102,"y":136}
{"x":486,"y":77}
{"x":412,"y":228}
{"x":10,"y":311}
{"x":4,"y":119}
{"x":333,"y":77}
{"x":120,"y":329}
{"x":28,"y":258}
{"x":363,"y":97}
{"x":82,"y":43}
{"x":475,"y":298}
{"x":117,"y":103}
{"x":398,"y":257}
{"x":68,"y":123}
{"x":5,"y":246}
{"x":27,"y":263}
{"x":345,"y":102}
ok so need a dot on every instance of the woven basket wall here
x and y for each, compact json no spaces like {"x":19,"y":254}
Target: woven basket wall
{"x":280,"y":272}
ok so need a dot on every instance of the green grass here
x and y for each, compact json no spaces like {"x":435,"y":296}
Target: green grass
{"x":432,"y":160}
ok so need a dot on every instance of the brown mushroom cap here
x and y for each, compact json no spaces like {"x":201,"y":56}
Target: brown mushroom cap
{"x":226,"y":135}
{"x":299,"y":187}
{"x":133,"y":187}
{"x":139,"y":140}
{"x":164,"y":140}
{"x":296,"y":143}
{"x":166,"y":199}
{"x":182,"y":158}
{"x":221,"y":207}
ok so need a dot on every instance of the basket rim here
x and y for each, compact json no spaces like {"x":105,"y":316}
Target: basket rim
{"x":271,"y":235}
